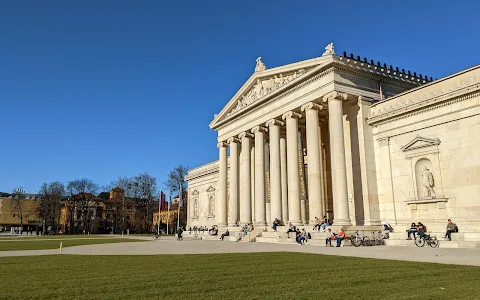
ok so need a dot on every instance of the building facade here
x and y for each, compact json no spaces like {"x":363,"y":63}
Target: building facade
{"x":358,"y":141}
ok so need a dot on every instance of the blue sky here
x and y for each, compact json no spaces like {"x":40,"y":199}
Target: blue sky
{"x":102,"y":89}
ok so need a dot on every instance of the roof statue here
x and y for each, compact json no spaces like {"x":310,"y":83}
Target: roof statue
{"x":329,"y":50}
{"x":260,"y":65}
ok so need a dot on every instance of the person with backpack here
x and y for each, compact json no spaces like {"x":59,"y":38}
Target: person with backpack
{"x":451,"y":227}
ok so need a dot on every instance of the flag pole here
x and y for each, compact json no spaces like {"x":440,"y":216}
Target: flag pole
{"x":179,"y":202}
{"x":159,"y":210}
{"x":168,"y":211}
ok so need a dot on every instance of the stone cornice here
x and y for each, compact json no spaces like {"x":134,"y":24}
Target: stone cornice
{"x":202,"y":170}
{"x":415,"y":105}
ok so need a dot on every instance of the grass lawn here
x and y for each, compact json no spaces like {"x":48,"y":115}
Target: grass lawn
{"x":34,"y":244}
{"x":49,"y":237}
{"x":232,"y":276}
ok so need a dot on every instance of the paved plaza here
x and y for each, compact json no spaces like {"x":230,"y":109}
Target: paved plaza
{"x":168,"y":245}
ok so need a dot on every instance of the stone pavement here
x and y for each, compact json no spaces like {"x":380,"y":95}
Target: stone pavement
{"x":168,"y":245}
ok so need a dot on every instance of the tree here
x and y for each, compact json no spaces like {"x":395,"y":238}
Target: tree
{"x":51,"y":203}
{"x":18,"y":196}
{"x":177,"y":178}
{"x":176,"y":183}
{"x":118,"y":208}
{"x":81,"y":191}
{"x":144,"y":187}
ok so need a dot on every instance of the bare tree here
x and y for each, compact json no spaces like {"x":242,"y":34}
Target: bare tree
{"x":18,"y":196}
{"x":51,"y":203}
{"x":176,"y":178}
{"x":176,"y":183}
{"x":118,"y":208}
{"x":81,"y":190}
{"x":144,"y":188}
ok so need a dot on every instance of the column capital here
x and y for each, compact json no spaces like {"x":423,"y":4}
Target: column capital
{"x":274,"y":122}
{"x":233,"y":140}
{"x":291,"y":114}
{"x":334,"y":95}
{"x":245,"y":134}
{"x":311,"y":105}
{"x":259,"y":129}
{"x":384,"y":141}
{"x":222,"y":144}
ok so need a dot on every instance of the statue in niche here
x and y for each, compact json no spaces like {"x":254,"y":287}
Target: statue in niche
{"x":428,"y":183}
{"x":211,"y":206}
{"x":260,"y":65}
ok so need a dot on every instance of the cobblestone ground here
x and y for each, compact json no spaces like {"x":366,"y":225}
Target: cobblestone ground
{"x":168,"y":245}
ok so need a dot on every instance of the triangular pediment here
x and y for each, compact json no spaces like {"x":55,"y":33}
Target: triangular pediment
{"x":195,"y":193}
{"x":420,"y":142}
{"x":210,"y":189}
{"x":266,"y":84}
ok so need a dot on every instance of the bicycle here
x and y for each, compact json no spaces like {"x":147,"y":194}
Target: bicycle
{"x":357,"y":241}
{"x":432,"y":241}
{"x":378,"y":240}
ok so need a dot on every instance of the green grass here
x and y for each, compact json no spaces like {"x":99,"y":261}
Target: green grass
{"x":232,"y":276}
{"x":55,"y":244}
{"x":62,"y":237}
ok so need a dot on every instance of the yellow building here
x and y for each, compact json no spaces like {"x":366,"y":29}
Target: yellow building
{"x":16,"y":212}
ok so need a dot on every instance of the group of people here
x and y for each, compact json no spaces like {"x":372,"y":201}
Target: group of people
{"x":247,"y":228}
{"x":420,"y":230}
{"x":331,"y":236}
{"x":321,"y":225}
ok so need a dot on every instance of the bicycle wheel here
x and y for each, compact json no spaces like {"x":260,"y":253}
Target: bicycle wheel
{"x":366,"y":241}
{"x":356,"y":242}
{"x":420,"y":242}
{"x":434,"y":243}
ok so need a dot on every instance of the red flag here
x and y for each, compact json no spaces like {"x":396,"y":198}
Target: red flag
{"x":163,"y":202}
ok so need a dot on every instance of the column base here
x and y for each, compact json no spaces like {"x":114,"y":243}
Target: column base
{"x":261,"y":224}
{"x":345,"y":222}
{"x":296,"y":223}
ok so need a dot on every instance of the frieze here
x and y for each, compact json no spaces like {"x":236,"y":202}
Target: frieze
{"x":263,"y":88}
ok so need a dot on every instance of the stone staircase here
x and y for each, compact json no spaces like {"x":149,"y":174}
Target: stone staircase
{"x":282,"y":237}
{"x":459,"y":240}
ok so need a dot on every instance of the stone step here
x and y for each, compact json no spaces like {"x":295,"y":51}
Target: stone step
{"x":456,"y":236}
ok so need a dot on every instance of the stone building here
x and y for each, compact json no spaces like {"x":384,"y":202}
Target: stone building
{"x":343,"y":136}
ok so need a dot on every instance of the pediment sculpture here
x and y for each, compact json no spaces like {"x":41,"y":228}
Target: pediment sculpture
{"x":263,"y":88}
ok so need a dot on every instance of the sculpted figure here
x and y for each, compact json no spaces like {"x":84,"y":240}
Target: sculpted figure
{"x":428,"y":182}
{"x":260,"y":65}
{"x":258,"y":88}
{"x":329,"y":49}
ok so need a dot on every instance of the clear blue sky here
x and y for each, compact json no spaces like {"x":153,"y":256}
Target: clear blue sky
{"x":102,"y":89}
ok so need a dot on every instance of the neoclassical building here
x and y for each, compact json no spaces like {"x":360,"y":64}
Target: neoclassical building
{"x":343,"y":136}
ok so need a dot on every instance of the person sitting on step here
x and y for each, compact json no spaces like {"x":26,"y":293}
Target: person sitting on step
{"x":299,"y":238}
{"x":412,"y":230}
{"x":275,"y":224}
{"x":450,"y":228}
{"x":227,"y":233}
{"x":328,"y":236}
{"x":318,"y":224}
{"x":340,"y":237}
{"x":291,"y":228}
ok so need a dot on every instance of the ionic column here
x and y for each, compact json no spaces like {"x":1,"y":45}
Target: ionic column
{"x":314,"y":167}
{"x":294,"y":213}
{"x":275,"y":170}
{"x":221,"y":215}
{"x":245,"y":179}
{"x":283,"y":175}
{"x":337,"y":152}
{"x":233,"y":203}
{"x":259,"y":175}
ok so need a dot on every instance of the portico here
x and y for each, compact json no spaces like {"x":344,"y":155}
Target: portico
{"x":289,"y":143}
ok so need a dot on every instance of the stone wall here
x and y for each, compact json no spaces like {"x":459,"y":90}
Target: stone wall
{"x":438,"y":127}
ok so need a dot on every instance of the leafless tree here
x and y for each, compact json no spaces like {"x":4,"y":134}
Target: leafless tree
{"x":176,"y":184}
{"x":51,"y":203}
{"x":18,"y":196}
{"x":144,"y":189}
{"x":80,"y":190}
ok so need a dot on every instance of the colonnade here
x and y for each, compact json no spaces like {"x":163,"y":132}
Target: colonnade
{"x":285,"y":164}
